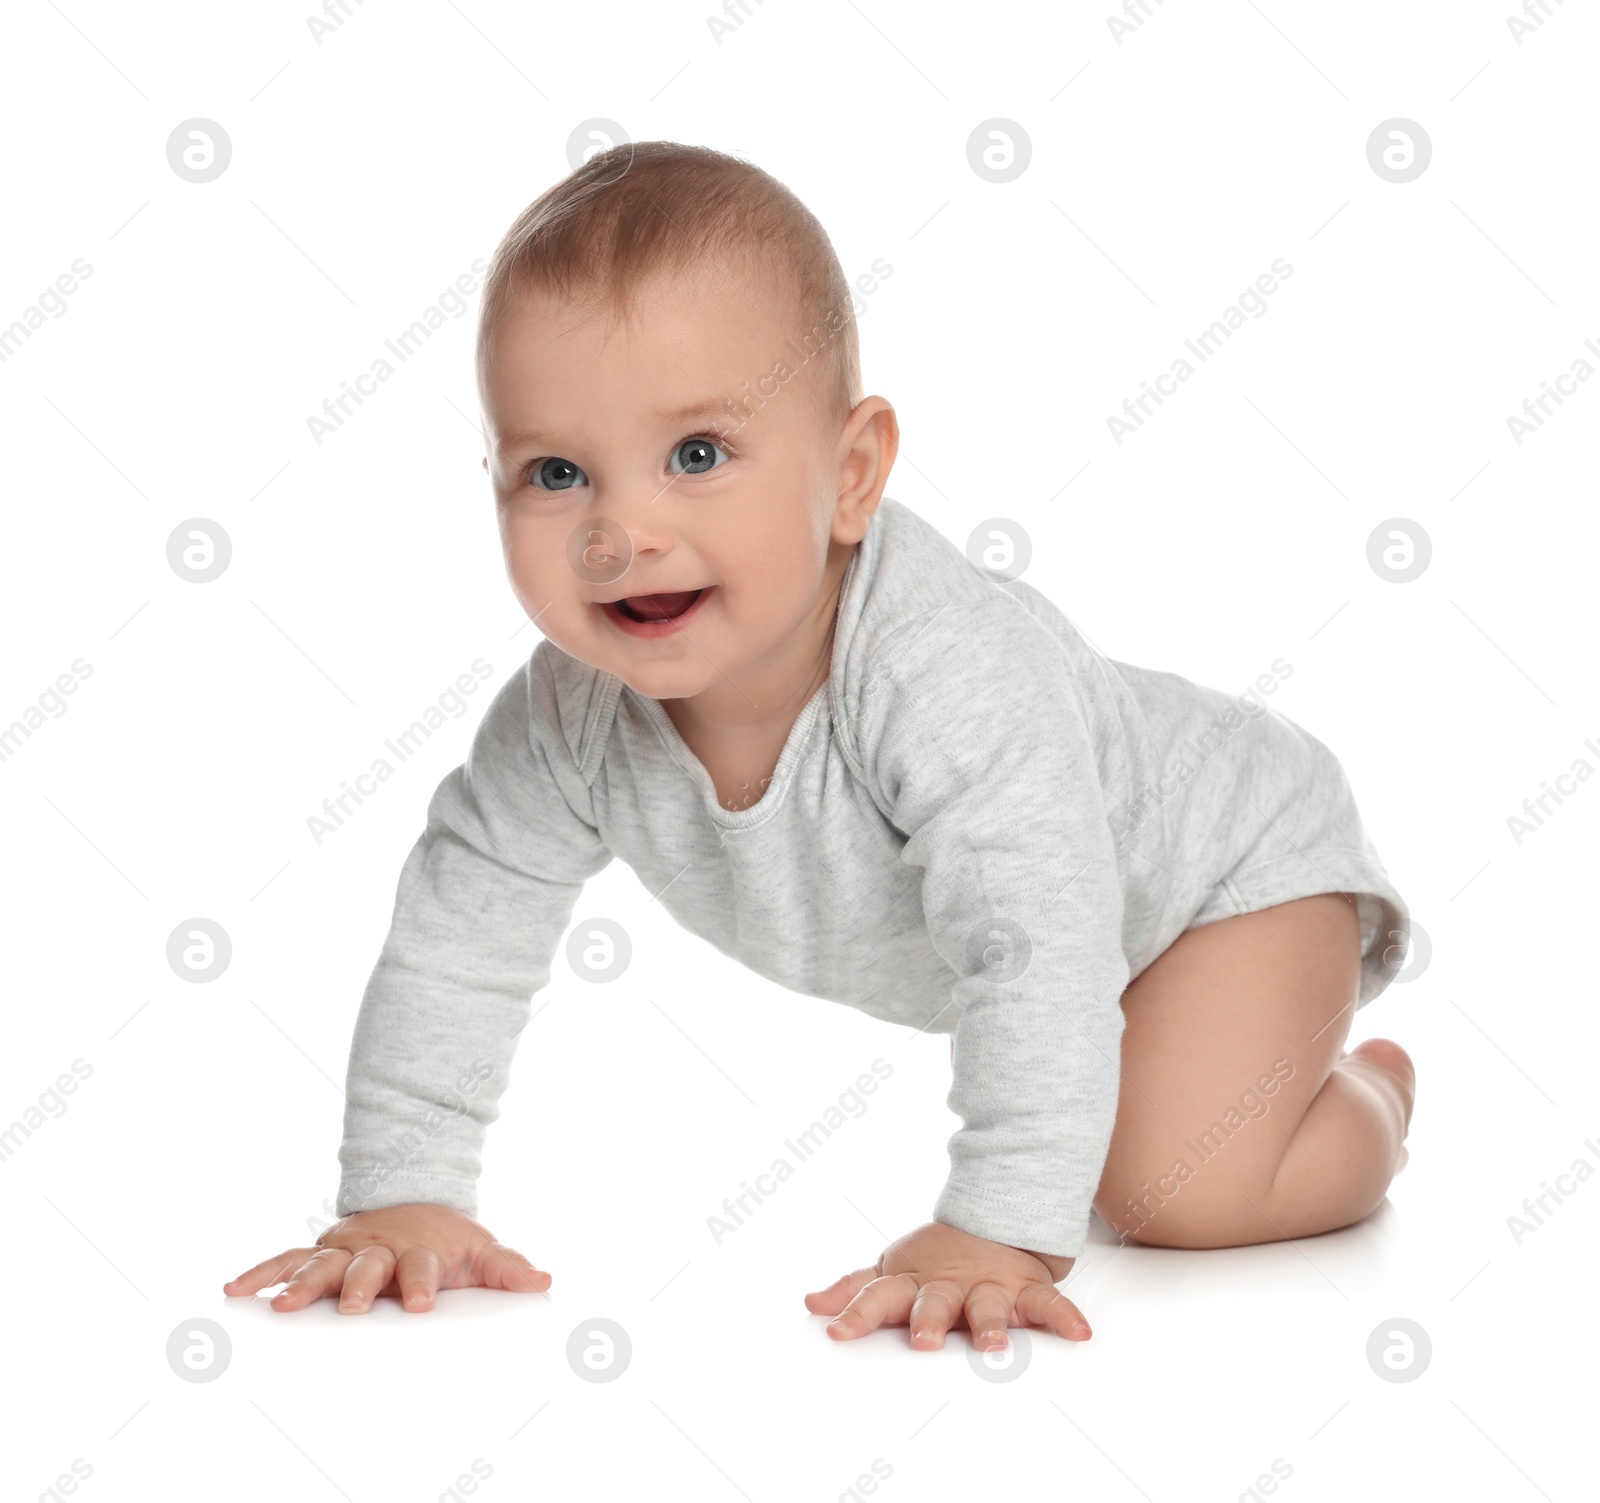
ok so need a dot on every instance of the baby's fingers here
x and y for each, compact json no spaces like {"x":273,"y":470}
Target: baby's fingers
{"x":1045,"y":1305}
{"x":366,"y":1278}
{"x":937,"y":1305}
{"x":321,"y":1272}
{"x":502,"y":1267}
{"x":988,"y":1315}
{"x":840,"y":1292}
{"x":417,"y":1271}
{"x":883,"y":1300}
{"x":269,"y":1271}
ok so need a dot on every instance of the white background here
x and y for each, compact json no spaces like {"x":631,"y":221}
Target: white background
{"x":1167,"y":173}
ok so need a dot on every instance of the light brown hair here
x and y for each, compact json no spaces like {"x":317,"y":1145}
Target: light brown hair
{"x":659,"y":206}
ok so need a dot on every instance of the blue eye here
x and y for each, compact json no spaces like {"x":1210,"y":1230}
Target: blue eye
{"x":555,"y":475}
{"x":695,"y":454}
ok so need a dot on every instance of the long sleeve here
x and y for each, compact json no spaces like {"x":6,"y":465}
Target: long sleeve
{"x":483,"y":899}
{"x":978,"y":750}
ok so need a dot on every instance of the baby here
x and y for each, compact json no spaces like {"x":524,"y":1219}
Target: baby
{"x":1145,"y":911}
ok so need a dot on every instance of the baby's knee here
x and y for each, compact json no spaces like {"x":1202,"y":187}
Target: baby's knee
{"x":1164,"y":1212}
{"x":1220,"y":1203}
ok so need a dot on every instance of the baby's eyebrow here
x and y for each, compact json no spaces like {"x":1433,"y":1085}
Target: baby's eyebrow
{"x":713,"y":407}
{"x":707,"y":407}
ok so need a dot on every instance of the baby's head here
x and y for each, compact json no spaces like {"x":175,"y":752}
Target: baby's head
{"x":671,"y":390}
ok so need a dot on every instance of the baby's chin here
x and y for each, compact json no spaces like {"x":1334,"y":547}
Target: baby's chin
{"x":663,"y":680}
{"x":658,"y":670}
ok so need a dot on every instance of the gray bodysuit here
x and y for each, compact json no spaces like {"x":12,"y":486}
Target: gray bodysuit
{"x":978,"y":826}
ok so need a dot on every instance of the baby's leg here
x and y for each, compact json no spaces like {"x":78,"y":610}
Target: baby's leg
{"x":1206,"y":1022}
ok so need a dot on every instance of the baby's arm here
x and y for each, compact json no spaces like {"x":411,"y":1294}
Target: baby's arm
{"x":482,"y":901}
{"x":975,"y":745}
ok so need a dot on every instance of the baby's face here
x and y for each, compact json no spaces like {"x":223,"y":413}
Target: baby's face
{"x":621,"y":473}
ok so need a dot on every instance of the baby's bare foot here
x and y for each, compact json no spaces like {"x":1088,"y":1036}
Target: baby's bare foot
{"x":1389,"y":1056}
{"x":1390,"y":1065}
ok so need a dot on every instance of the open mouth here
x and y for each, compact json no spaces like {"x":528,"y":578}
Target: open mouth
{"x":656,"y":615}
{"x":667,"y":606}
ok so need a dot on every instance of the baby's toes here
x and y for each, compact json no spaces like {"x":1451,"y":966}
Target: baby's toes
{"x":1387,"y":1054}
{"x":1389,"y":1057}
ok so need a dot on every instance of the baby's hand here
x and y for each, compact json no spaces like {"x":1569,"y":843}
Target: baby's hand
{"x":933,"y":1276}
{"x":419,"y":1248}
